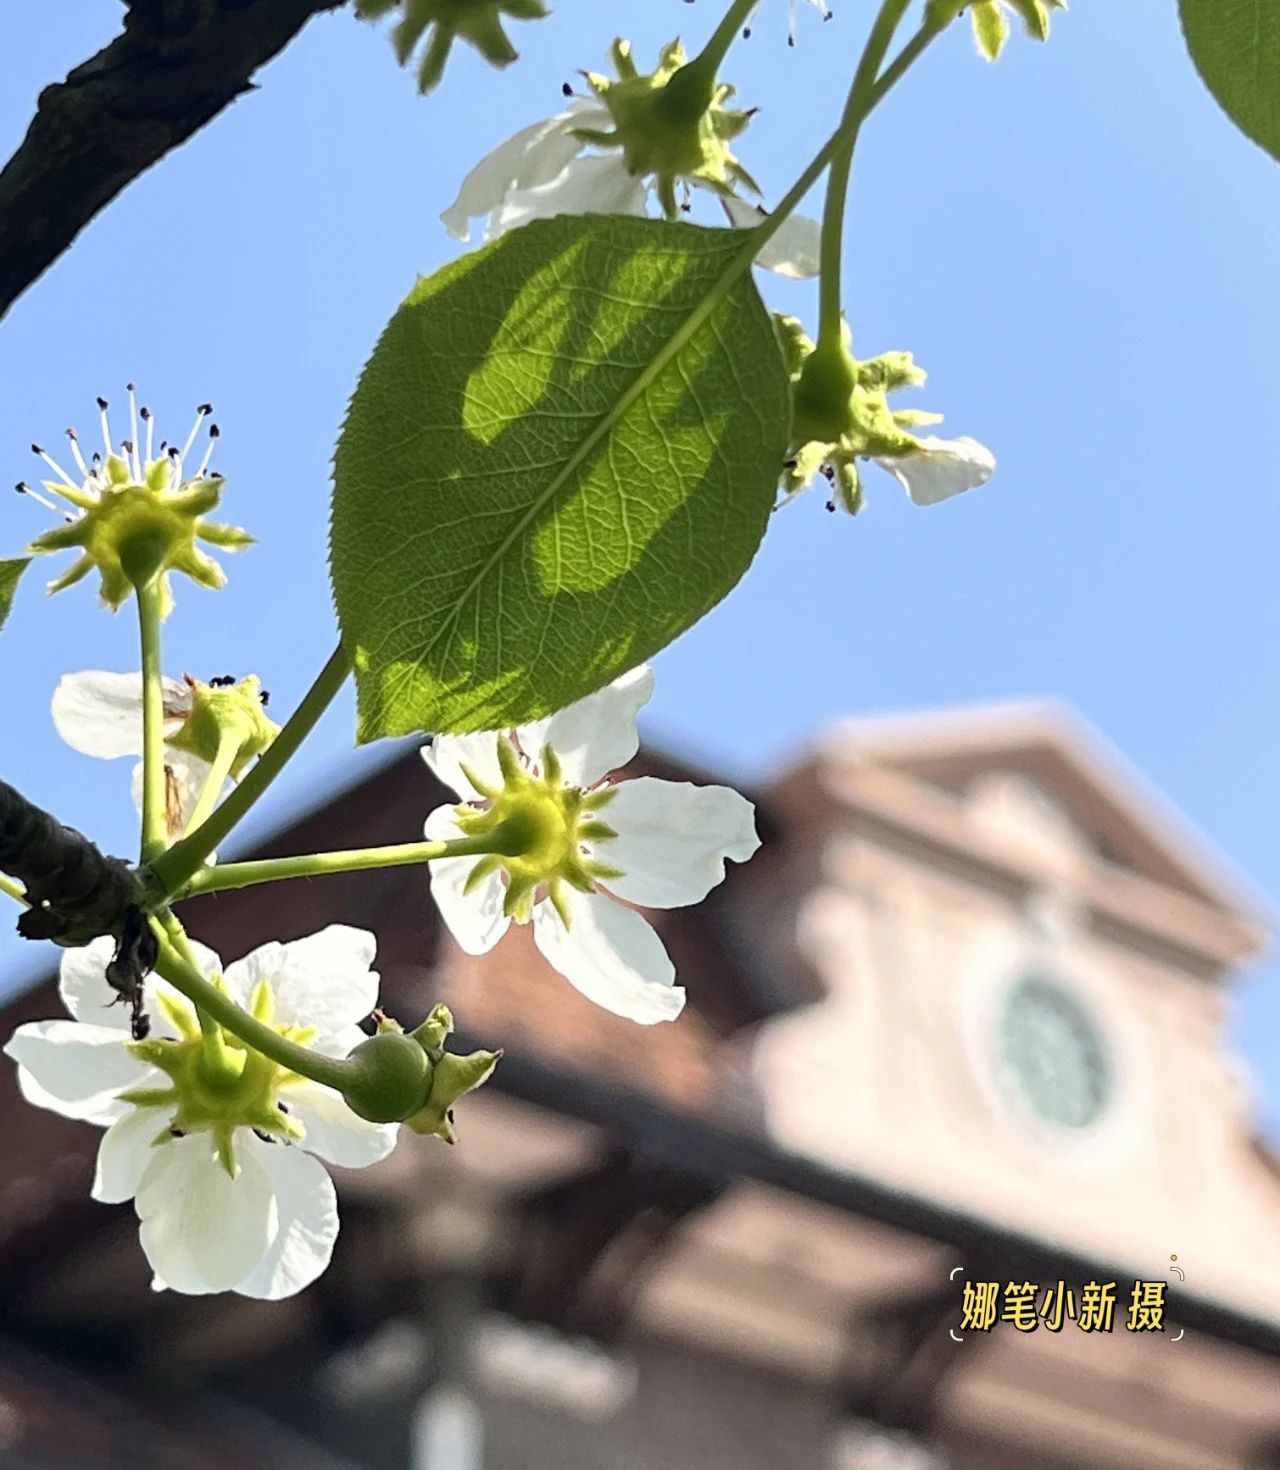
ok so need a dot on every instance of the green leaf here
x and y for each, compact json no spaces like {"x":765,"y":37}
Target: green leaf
{"x":10,"y":571}
{"x":1235,"y":45}
{"x":563,"y":451}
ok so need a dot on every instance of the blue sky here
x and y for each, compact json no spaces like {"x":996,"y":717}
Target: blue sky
{"x":1071,"y":242}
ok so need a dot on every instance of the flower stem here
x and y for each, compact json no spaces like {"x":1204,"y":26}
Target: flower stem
{"x":315,"y":864}
{"x":930,"y":28}
{"x":215,"y":1045}
{"x":154,"y":828}
{"x":726,"y":33}
{"x":210,"y":1002}
{"x":224,"y":758}
{"x":172,"y":869}
{"x":833,"y":214}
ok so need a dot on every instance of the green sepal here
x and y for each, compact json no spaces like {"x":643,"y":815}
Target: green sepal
{"x":478,"y":22}
{"x":453,"y":1078}
{"x":990,"y":28}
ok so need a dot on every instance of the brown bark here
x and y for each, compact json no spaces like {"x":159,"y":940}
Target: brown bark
{"x":175,"y":66}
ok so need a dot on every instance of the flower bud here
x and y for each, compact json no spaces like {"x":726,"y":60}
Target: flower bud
{"x":389,"y":1078}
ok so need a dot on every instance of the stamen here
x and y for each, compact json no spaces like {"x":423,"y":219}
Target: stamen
{"x":201,"y":413}
{"x":214,"y":434}
{"x":24,"y":489}
{"x":54,"y":466}
{"x":76,"y":455}
{"x":144,"y":413}
{"x":133,"y":431}
{"x":106,"y":427}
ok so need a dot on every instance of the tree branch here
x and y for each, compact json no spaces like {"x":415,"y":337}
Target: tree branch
{"x":176,"y":66}
{"x":75,"y":891}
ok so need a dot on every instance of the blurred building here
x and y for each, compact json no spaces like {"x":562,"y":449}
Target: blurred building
{"x":954,"y":1076}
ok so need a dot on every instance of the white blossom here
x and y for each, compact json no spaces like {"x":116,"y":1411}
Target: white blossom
{"x":100,"y":714}
{"x":545,"y":170}
{"x":230,"y":1194}
{"x":658,"y":844}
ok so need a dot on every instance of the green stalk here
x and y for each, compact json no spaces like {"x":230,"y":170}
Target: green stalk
{"x":316,"y":864}
{"x":833,"y":214}
{"x":930,"y":28}
{"x":211,"y":1002}
{"x":171,"y":870}
{"x":223,"y":760}
{"x":155,"y":833}
{"x":711,"y":56}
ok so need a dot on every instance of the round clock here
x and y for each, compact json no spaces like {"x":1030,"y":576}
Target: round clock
{"x":1051,"y":1056}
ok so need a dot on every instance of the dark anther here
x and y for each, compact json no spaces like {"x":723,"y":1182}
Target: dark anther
{"x":174,"y":452}
{"x":144,"y":413}
{"x":127,"y":445}
{"x":205,"y":408}
{"x":35,"y":449}
{"x":831,"y":505}
{"x":70,"y":433}
{"x":128,"y":387}
{"x":791,"y":40}
{"x":102,"y":404}
{"x":282,"y":1108}
{"x":222,"y":681}
{"x":176,"y":1133}
{"x":567,"y":90}
{"x":263,"y":1135}
{"x":746,"y":33}
{"x":22,"y":487}
{"x":789,"y":464}
{"x":216,"y":475}
{"x":214,"y":431}
{"x":265,"y":697}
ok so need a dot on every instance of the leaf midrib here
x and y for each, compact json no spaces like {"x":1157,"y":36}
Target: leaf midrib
{"x":719,"y":288}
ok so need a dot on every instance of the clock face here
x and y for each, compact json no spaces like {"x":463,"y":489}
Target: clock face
{"x":1051,"y":1056}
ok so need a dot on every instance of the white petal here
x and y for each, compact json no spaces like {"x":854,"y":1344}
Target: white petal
{"x":307,"y":1224}
{"x":941,"y":468}
{"x":100,"y":714}
{"x":73,"y":1069}
{"x":333,"y":1130}
{"x":611,"y":955}
{"x":673,"y":839}
{"x":188,"y":774}
{"x":592,"y":183}
{"x":323,"y":980}
{"x":475,"y":919}
{"x":794,"y":249}
{"x":447,"y":754}
{"x":202,"y":1230}
{"x":595,"y":735}
{"x":125,"y":1151}
{"x":528,"y":158}
{"x":82,"y":984}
